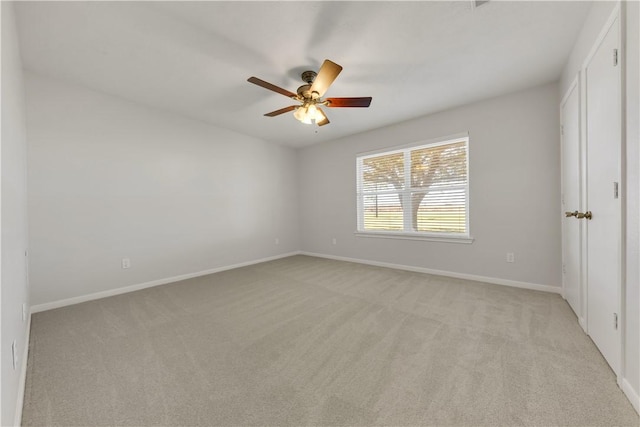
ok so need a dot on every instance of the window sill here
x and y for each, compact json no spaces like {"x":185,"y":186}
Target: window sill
{"x":416,"y":236}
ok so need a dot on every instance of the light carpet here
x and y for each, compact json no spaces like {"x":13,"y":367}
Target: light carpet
{"x":309,"y":341}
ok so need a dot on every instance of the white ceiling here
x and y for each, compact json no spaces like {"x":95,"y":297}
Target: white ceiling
{"x":193,"y":58}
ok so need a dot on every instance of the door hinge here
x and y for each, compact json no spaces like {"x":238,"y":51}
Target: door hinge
{"x":615,"y":190}
{"x":564,"y":268}
{"x":562,"y":130}
{"x":615,"y":57}
{"x":615,"y":321}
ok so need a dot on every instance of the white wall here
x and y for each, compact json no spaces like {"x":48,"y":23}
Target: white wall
{"x":514,"y":191}
{"x":597,"y":17}
{"x":595,"y":22}
{"x":110,"y":179}
{"x":14,"y":216}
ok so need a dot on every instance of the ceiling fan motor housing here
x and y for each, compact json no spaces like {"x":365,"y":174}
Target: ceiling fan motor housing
{"x":308,"y":76}
{"x":304,"y":92}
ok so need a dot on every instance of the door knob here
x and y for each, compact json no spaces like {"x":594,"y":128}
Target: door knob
{"x":570,"y":214}
{"x":587,"y":215}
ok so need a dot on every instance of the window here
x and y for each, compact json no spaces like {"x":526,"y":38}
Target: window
{"x":415,"y":192}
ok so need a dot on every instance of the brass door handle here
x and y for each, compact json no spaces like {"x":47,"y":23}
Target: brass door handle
{"x":579,"y":215}
{"x":587,"y":215}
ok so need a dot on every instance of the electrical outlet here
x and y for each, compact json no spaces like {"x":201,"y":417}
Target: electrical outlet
{"x":511,"y":257}
{"x":334,"y":241}
{"x":277,"y":241}
{"x":126,"y":263}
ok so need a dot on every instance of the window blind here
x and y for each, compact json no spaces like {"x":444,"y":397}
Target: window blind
{"x":422,"y":189}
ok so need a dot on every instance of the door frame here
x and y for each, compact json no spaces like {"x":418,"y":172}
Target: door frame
{"x":620,"y":226}
{"x":575,"y":85}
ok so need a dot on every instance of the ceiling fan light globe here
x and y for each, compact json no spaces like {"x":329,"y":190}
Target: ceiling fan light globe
{"x":299,"y":113}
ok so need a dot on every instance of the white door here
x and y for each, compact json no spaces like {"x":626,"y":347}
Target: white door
{"x":603,"y":231}
{"x":571,"y":236}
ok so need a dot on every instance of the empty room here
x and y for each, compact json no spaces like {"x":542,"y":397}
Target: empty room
{"x":322,"y":213}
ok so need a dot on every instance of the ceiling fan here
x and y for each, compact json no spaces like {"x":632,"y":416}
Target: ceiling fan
{"x":310,"y":95}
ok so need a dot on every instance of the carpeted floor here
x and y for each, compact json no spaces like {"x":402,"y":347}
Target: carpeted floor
{"x":309,"y":341}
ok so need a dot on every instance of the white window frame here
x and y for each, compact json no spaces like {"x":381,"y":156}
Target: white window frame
{"x":408,"y":233}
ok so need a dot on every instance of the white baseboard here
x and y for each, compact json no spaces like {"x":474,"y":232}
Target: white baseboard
{"x":493,"y":280}
{"x":583,"y":323}
{"x":126,"y":289}
{"x":22,"y":381}
{"x":132,"y":288}
{"x":631,"y":394}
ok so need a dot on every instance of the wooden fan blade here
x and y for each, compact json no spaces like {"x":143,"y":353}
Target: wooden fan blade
{"x":327,"y":74}
{"x":281,"y":111}
{"x":325,"y":120}
{"x":348,"y":102}
{"x":267,"y":85}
